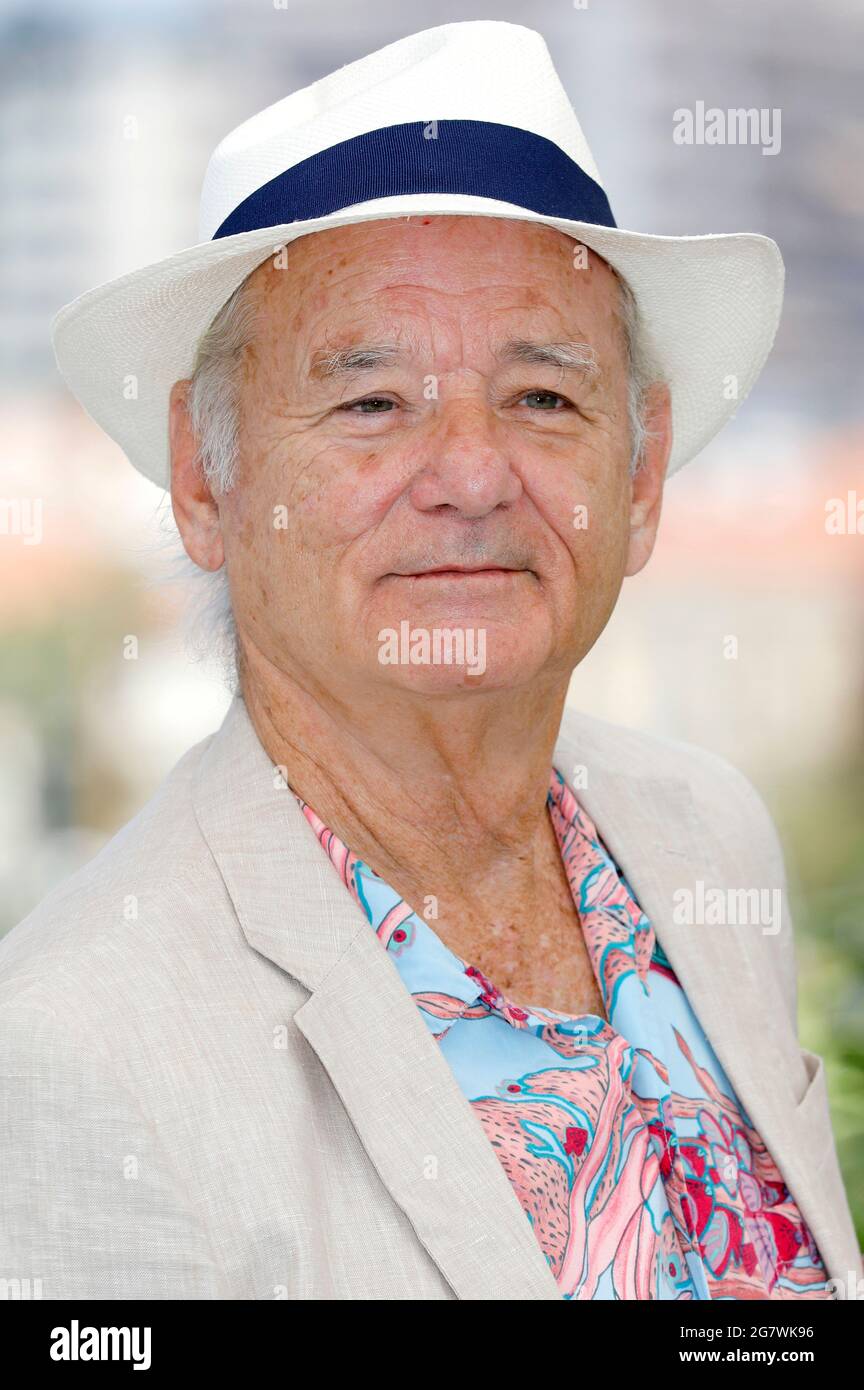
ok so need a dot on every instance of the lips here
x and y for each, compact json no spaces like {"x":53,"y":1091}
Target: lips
{"x":460,"y":569}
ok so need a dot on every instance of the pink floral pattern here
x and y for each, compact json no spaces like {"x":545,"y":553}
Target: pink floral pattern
{"x":632,"y":1158}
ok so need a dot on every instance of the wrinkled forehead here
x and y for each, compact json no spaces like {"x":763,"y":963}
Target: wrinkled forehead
{"x":330,"y":278}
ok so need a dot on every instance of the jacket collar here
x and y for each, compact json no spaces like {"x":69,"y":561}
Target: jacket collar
{"x":400,"y":1093}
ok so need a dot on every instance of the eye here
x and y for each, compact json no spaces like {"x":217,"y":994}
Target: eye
{"x":373,"y":401}
{"x":544,"y":396}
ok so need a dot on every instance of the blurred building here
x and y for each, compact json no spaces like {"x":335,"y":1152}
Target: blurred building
{"x":108,"y":113}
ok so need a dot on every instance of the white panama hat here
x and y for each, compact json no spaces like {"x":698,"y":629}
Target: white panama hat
{"x":463,"y":119}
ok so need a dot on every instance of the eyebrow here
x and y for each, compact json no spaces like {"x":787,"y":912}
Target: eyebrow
{"x":564,"y":353}
{"x":363,"y":357}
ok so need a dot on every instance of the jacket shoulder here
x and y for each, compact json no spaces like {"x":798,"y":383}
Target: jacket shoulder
{"x":716,"y":784}
{"x":131,"y":882}
{"x":744,"y":835}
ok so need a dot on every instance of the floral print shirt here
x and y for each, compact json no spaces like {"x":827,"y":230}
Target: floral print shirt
{"x":638,"y":1169}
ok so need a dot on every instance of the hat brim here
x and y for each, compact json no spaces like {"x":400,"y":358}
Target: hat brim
{"x":710,"y":305}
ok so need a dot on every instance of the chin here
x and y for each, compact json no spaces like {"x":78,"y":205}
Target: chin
{"x":459,"y":652}
{"x":442,"y":682}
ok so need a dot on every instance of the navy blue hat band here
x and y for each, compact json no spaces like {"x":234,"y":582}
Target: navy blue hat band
{"x":474,"y":157}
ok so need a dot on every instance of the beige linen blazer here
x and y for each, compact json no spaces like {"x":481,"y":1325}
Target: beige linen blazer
{"x":215,"y":1084}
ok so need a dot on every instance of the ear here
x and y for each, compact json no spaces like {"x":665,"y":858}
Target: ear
{"x":195,"y":508}
{"x":646,"y":487}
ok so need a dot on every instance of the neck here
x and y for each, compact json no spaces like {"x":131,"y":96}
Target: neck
{"x":440,"y":796}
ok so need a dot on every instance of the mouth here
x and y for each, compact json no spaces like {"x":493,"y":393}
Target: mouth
{"x":463,"y":572}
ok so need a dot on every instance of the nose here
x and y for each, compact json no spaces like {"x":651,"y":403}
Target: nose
{"x":464,"y":465}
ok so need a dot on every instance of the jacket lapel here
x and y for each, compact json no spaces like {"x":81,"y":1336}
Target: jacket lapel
{"x":416,"y":1125}
{"x":661,"y":843}
{"x":428,"y":1146}
{"x":419,"y":1130}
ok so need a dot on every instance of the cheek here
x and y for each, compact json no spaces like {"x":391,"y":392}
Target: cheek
{"x":601,"y":552}
{"x":586,"y":521}
{"x":249,"y":532}
{"x":336,"y":498}
{"x":325,"y":509}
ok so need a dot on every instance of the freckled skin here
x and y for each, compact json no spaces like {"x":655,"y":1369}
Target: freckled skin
{"x":476,"y":474}
{"x":355,"y":512}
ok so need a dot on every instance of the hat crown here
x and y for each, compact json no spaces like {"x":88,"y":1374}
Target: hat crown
{"x":482,"y":70}
{"x":356,"y":146}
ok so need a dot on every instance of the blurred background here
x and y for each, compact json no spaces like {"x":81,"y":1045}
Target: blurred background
{"x":108,"y":114}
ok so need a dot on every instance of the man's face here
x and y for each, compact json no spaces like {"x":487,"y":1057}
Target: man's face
{"x":454,"y":453}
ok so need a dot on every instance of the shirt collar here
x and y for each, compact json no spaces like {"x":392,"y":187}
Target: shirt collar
{"x":461,"y":988}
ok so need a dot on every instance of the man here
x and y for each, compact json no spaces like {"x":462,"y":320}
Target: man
{"x":423,"y":442}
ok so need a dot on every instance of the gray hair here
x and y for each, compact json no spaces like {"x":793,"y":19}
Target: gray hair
{"x":213,"y":403}
{"x":643,"y":372}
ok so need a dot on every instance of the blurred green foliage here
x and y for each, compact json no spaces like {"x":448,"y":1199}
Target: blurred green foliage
{"x":821,"y":823}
